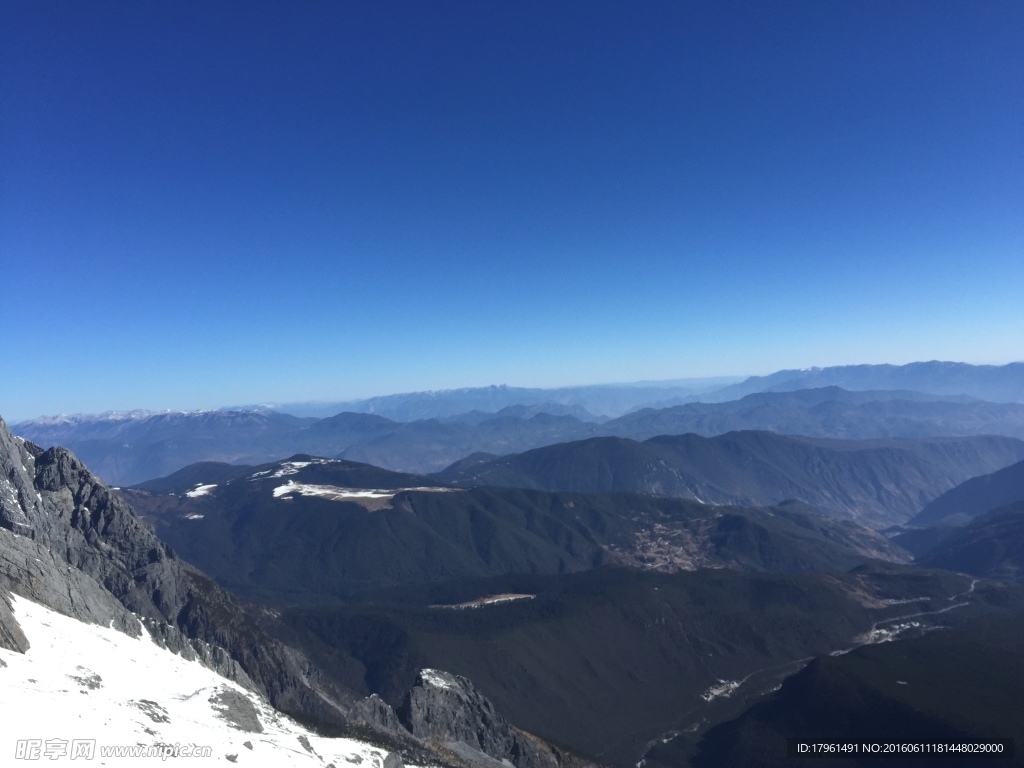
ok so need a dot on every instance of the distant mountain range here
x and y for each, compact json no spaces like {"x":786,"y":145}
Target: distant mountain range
{"x":829,"y":412}
{"x":130,"y":448}
{"x":1000,"y":384}
{"x":996,"y":383}
{"x":604,"y":400}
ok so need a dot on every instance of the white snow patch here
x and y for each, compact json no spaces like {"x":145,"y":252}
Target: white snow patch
{"x":723,"y":689}
{"x":337,"y":493}
{"x":436,"y":678}
{"x":483,"y":602}
{"x":201,"y":490}
{"x":80,"y":682}
{"x":194,"y":517}
{"x":287,"y":468}
{"x":291,"y":468}
{"x":77,"y":419}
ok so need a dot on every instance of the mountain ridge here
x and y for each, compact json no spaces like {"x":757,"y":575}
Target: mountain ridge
{"x":974,"y":497}
{"x":879,"y":482}
{"x":130,"y":451}
{"x":995,"y":383}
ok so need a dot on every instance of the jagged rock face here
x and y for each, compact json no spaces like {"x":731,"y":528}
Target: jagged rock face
{"x":447,"y":709}
{"x":11,"y":636}
{"x":33,"y":571}
{"x":376,"y":712}
{"x":19,"y":501}
{"x":71,"y":544}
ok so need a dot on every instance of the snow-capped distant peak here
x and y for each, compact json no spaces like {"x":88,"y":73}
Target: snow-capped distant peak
{"x":68,"y":421}
{"x":137,"y":414}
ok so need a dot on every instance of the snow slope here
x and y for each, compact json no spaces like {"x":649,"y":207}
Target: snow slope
{"x":84,"y":689}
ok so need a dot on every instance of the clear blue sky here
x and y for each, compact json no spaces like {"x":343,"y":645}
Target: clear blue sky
{"x":204,"y":203}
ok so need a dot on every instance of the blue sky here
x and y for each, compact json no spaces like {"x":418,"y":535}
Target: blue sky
{"x":322,"y":200}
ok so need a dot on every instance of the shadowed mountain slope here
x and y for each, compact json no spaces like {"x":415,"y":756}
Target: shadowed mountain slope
{"x":991,"y":546}
{"x":608,"y":661}
{"x":829,"y":412}
{"x":974,"y":497}
{"x":320,"y":529}
{"x":876,"y":482}
{"x":959,"y":685}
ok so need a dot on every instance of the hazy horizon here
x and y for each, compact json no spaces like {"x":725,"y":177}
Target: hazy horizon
{"x":336,"y":201}
{"x":653,"y":383}
{"x":705,"y":385}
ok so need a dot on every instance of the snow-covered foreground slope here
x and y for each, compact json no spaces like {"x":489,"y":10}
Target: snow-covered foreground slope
{"x":88,"y":693}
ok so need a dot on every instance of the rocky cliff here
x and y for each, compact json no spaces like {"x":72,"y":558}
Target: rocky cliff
{"x":447,"y":710}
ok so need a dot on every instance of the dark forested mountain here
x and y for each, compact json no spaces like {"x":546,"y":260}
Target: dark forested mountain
{"x":612,"y":660}
{"x":310,"y":470}
{"x":318,"y":529}
{"x":957,"y":686}
{"x":976,"y":527}
{"x":432,"y":445}
{"x":974,"y":497}
{"x":876,"y":482}
{"x":996,"y":383}
{"x":129,"y":448}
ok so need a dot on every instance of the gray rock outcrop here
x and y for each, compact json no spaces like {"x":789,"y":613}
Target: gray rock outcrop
{"x":448,"y":709}
{"x":377,"y":713}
